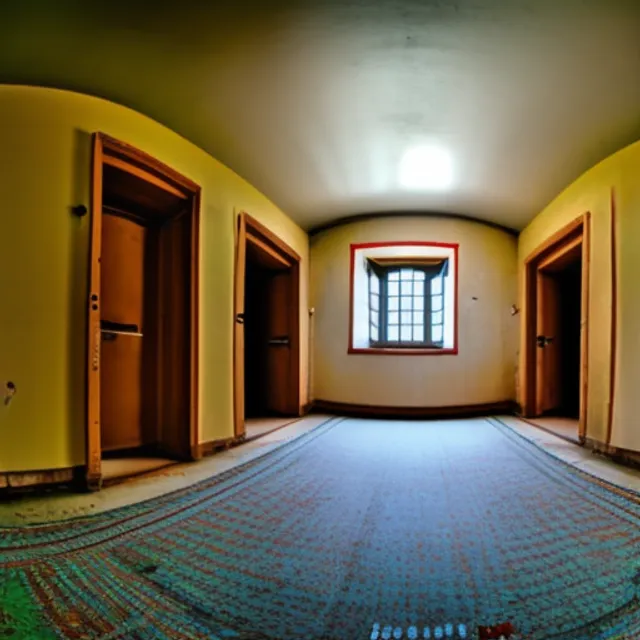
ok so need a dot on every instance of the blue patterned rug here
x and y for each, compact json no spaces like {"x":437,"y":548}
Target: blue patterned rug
{"x":357,"y":530}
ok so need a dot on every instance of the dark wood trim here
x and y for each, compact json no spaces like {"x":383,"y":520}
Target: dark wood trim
{"x":614,"y":318}
{"x":257,"y":228}
{"x":584,"y":320}
{"x":18,"y":480}
{"x":143,"y":160}
{"x":419,"y":413}
{"x":561,"y":236}
{"x":205,"y":449}
{"x":577,"y":228}
{"x":624,"y":457}
{"x":108,"y":150}
{"x":94,"y":301}
{"x":240,"y":274}
{"x":306,"y":409}
{"x":362,"y":217}
{"x":403,"y":351}
{"x":194,"y":329}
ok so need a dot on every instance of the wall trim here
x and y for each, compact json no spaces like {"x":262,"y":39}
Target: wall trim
{"x":378,"y":411}
{"x":363,"y":217}
{"x":10,"y":480}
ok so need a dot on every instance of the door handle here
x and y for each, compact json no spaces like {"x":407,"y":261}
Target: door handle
{"x":240,"y":318}
{"x":543,"y":341}
{"x":281,"y":341}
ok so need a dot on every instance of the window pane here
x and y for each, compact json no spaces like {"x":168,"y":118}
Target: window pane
{"x":407,"y":288}
{"x":436,"y":286}
{"x":393,"y":289}
{"x":405,"y":334}
{"x":375,"y":303}
{"x":436,"y":318}
{"x":394,"y":303}
{"x":405,"y":317}
{"x":418,"y":288}
{"x":374,"y":334}
{"x":406,"y":274}
{"x":393,"y":317}
{"x":436,"y":333}
{"x":418,"y":317}
{"x":375,"y":318}
{"x":418,"y":333}
{"x":406,"y":303}
{"x":436,"y":303}
{"x":418,"y":275}
{"x":394,"y":276}
{"x":374,"y":283}
{"x":418,"y":304}
{"x":392,"y":334}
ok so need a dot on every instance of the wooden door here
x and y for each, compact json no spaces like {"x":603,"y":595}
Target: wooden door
{"x":122,"y":332}
{"x":174,"y":337}
{"x":548,"y":344}
{"x":279,"y":342}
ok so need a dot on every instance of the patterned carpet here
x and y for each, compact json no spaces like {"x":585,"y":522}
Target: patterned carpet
{"x":358,"y":529}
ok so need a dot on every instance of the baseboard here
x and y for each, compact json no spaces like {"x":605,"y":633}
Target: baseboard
{"x":624,"y":457}
{"x":19,"y":480}
{"x":306,"y":409}
{"x":417,"y":413}
{"x":214,"y":446}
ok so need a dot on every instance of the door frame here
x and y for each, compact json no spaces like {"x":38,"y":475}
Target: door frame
{"x":249,"y":230}
{"x":578,"y":231}
{"x":110,"y":151}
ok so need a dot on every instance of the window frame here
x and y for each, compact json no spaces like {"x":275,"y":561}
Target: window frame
{"x":379,"y":347}
{"x":382,"y":273}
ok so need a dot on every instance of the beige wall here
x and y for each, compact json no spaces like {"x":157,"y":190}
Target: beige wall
{"x":484,"y":369}
{"x":592,"y":192}
{"x":45,"y":161}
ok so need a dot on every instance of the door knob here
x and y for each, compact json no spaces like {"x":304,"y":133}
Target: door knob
{"x":543,"y":341}
{"x":240,"y":318}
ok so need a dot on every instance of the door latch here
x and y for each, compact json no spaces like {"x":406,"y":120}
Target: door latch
{"x":543,"y":341}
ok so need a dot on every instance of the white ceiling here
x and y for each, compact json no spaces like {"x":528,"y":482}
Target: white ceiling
{"x":316,"y":103}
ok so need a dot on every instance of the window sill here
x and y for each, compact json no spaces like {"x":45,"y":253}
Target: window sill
{"x":401,"y":351}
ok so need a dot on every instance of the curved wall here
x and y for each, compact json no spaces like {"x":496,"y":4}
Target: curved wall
{"x":615,"y":179}
{"x":483,"y":371}
{"x":45,"y":157}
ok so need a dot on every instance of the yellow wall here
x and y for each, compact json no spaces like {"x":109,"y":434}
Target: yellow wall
{"x":592,"y":192}
{"x":484,"y":369}
{"x":45,"y":169}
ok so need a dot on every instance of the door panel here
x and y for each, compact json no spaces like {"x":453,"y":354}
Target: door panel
{"x":121,"y":377}
{"x":123,"y":262}
{"x":174,"y":338}
{"x":548,"y":361}
{"x":279,"y":343}
{"x":121,"y":389}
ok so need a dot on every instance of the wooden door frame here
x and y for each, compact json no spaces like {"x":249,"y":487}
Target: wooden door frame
{"x":578,"y":230}
{"x":110,"y":151}
{"x":249,"y":230}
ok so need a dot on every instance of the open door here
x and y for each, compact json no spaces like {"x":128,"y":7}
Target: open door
{"x":142,"y":309}
{"x":548,"y":344}
{"x":556,"y":334}
{"x":279,"y":344}
{"x":266,"y":325}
